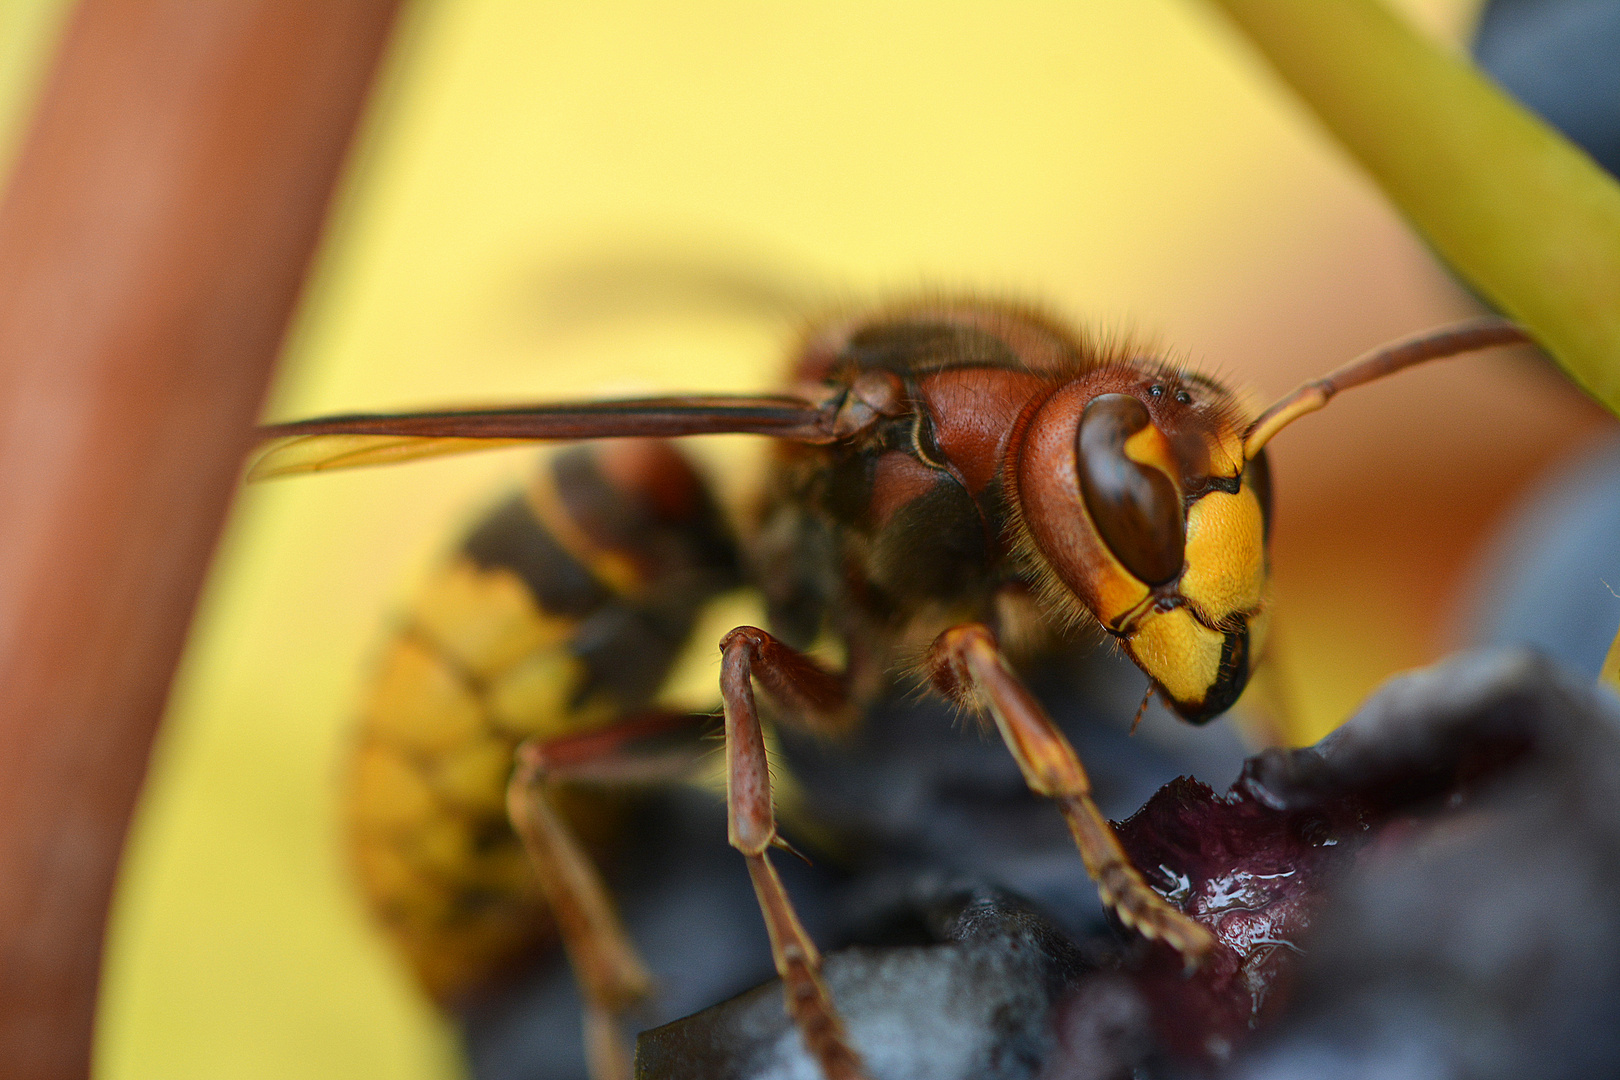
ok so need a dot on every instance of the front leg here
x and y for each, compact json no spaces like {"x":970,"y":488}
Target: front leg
{"x":966,"y":665}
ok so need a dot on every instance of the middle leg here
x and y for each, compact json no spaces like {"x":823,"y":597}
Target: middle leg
{"x":816,"y":699}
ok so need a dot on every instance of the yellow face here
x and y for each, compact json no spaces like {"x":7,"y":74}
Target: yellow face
{"x":1137,"y":498}
{"x":1200,"y":644}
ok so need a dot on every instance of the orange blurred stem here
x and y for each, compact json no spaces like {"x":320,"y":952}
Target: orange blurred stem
{"x":152,"y":246}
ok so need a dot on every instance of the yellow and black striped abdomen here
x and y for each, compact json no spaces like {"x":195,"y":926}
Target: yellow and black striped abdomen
{"x":561,"y":611}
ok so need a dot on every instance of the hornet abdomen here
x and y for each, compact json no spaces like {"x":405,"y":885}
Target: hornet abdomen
{"x":562,"y":610}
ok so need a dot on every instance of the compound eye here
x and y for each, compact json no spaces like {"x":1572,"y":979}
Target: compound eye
{"x":1135,"y":505}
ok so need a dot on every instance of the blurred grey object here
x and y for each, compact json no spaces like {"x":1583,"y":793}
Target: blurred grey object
{"x":1562,"y":59}
{"x":1486,"y":942}
{"x":970,"y":1004}
{"x":1549,"y":577}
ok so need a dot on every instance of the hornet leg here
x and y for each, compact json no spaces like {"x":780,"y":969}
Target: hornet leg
{"x":967,"y":666}
{"x":610,"y":974}
{"x":815,"y":699}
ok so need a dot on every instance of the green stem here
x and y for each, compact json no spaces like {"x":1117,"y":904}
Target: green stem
{"x":1527,"y":218}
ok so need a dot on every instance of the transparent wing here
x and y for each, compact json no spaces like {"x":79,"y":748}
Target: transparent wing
{"x":343,"y":442}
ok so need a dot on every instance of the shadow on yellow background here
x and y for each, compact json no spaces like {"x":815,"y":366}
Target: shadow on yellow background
{"x":1124,"y":161}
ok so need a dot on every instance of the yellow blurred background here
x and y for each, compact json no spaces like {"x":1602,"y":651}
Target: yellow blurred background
{"x":1125,"y":161}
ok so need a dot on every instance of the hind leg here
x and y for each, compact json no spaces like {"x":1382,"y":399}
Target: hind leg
{"x":610,"y":973}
